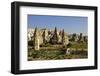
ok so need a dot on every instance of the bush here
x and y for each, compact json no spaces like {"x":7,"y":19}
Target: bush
{"x":69,"y":45}
{"x":45,"y":45}
{"x":30,"y":43}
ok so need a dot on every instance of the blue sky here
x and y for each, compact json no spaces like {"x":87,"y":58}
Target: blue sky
{"x":71,"y":24}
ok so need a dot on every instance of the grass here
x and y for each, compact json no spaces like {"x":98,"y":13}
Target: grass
{"x":78,"y":45}
{"x":54,"y":55}
{"x":58,"y":51}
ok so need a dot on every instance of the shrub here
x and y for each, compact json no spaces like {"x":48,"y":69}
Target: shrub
{"x":30,"y":43}
{"x":69,"y":45}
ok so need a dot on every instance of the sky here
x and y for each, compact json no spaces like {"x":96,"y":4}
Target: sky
{"x":70,"y":24}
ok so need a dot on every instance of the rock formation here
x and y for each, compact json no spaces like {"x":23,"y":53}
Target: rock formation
{"x":36,"y":41}
{"x":45,"y":35}
{"x":54,"y":39}
{"x":65,"y":39}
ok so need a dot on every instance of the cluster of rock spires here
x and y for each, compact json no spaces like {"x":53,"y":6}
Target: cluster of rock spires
{"x":40,"y":36}
{"x":43,"y":36}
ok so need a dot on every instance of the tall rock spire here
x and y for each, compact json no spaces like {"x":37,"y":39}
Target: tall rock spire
{"x":55,"y":37}
{"x":65,"y":40}
{"x":81,"y":37}
{"x":45,"y":34}
{"x":36,"y":39}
